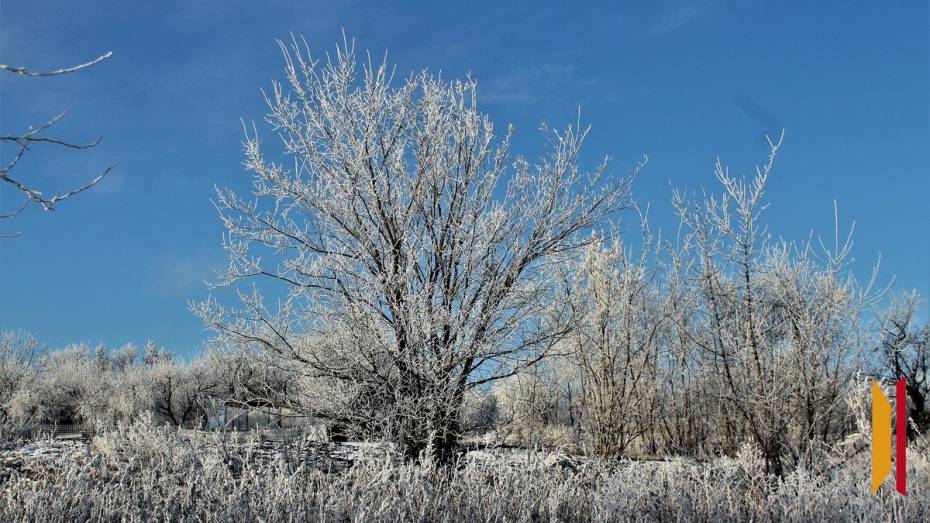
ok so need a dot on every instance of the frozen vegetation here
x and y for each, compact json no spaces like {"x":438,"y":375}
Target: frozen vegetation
{"x":138,"y":473}
{"x":501,"y":347}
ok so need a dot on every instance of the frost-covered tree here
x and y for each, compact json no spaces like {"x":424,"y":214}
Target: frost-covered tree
{"x":904,"y":352}
{"x":127,"y":393}
{"x":401,"y":221}
{"x":179,"y":390}
{"x":101,"y":386}
{"x":71,"y":390}
{"x":776,"y":325}
{"x":621,"y":313}
{"x":38,"y":136}
{"x":533,"y":407}
{"x":20,"y":355}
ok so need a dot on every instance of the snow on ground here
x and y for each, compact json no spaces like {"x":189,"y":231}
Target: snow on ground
{"x":35,"y":457}
{"x":38,"y":455}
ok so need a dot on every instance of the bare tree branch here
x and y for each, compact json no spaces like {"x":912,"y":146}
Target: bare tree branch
{"x":34,"y":136}
{"x":25,"y":72}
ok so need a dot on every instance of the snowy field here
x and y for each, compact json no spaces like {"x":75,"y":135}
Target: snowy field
{"x":140,"y":474}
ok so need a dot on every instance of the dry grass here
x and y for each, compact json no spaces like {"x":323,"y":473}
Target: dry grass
{"x":141,"y":474}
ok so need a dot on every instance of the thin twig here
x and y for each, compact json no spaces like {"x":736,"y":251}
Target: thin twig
{"x":25,"y":72}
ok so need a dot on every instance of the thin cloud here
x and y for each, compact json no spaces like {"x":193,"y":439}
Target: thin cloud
{"x":675,"y":19}
{"x":683,"y":14}
{"x":531,"y":85}
{"x":183,"y":275}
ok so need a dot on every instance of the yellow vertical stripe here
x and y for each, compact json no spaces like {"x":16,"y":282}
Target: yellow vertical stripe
{"x":881,"y":437}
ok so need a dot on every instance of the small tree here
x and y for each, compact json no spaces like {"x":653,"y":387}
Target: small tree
{"x":777,"y":328}
{"x":71,"y":387}
{"x":179,"y":390}
{"x":20,"y":355}
{"x":904,"y":352}
{"x":621,"y":314}
{"x":533,"y":408}
{"x":403,"y":224}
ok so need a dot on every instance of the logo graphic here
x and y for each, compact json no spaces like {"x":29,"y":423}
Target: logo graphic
{"x":881,"y":437}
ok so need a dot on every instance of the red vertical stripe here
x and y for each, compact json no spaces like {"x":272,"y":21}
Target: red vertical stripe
{"x":900,"y":467}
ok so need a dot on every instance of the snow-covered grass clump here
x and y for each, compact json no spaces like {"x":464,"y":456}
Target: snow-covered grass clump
{"x":138,"y":473}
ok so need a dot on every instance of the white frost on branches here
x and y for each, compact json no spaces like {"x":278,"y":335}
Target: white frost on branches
{"x":417,"y":254}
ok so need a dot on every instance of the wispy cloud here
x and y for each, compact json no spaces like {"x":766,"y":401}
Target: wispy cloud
{"x":183,"y":275}
{"x":531,"y":84}
{"x":678,"y":16}
{"x":675,"y":19}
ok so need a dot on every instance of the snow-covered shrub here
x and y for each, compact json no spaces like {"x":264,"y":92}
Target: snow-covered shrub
{"x":145,"y":446}
{"x":532,"y":410}
{"x":479,"y":411}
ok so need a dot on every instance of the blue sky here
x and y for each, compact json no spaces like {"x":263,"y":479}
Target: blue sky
{"x":680,"y":81}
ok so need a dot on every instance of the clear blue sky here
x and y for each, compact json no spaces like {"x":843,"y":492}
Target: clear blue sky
{"x":679,"y":81}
